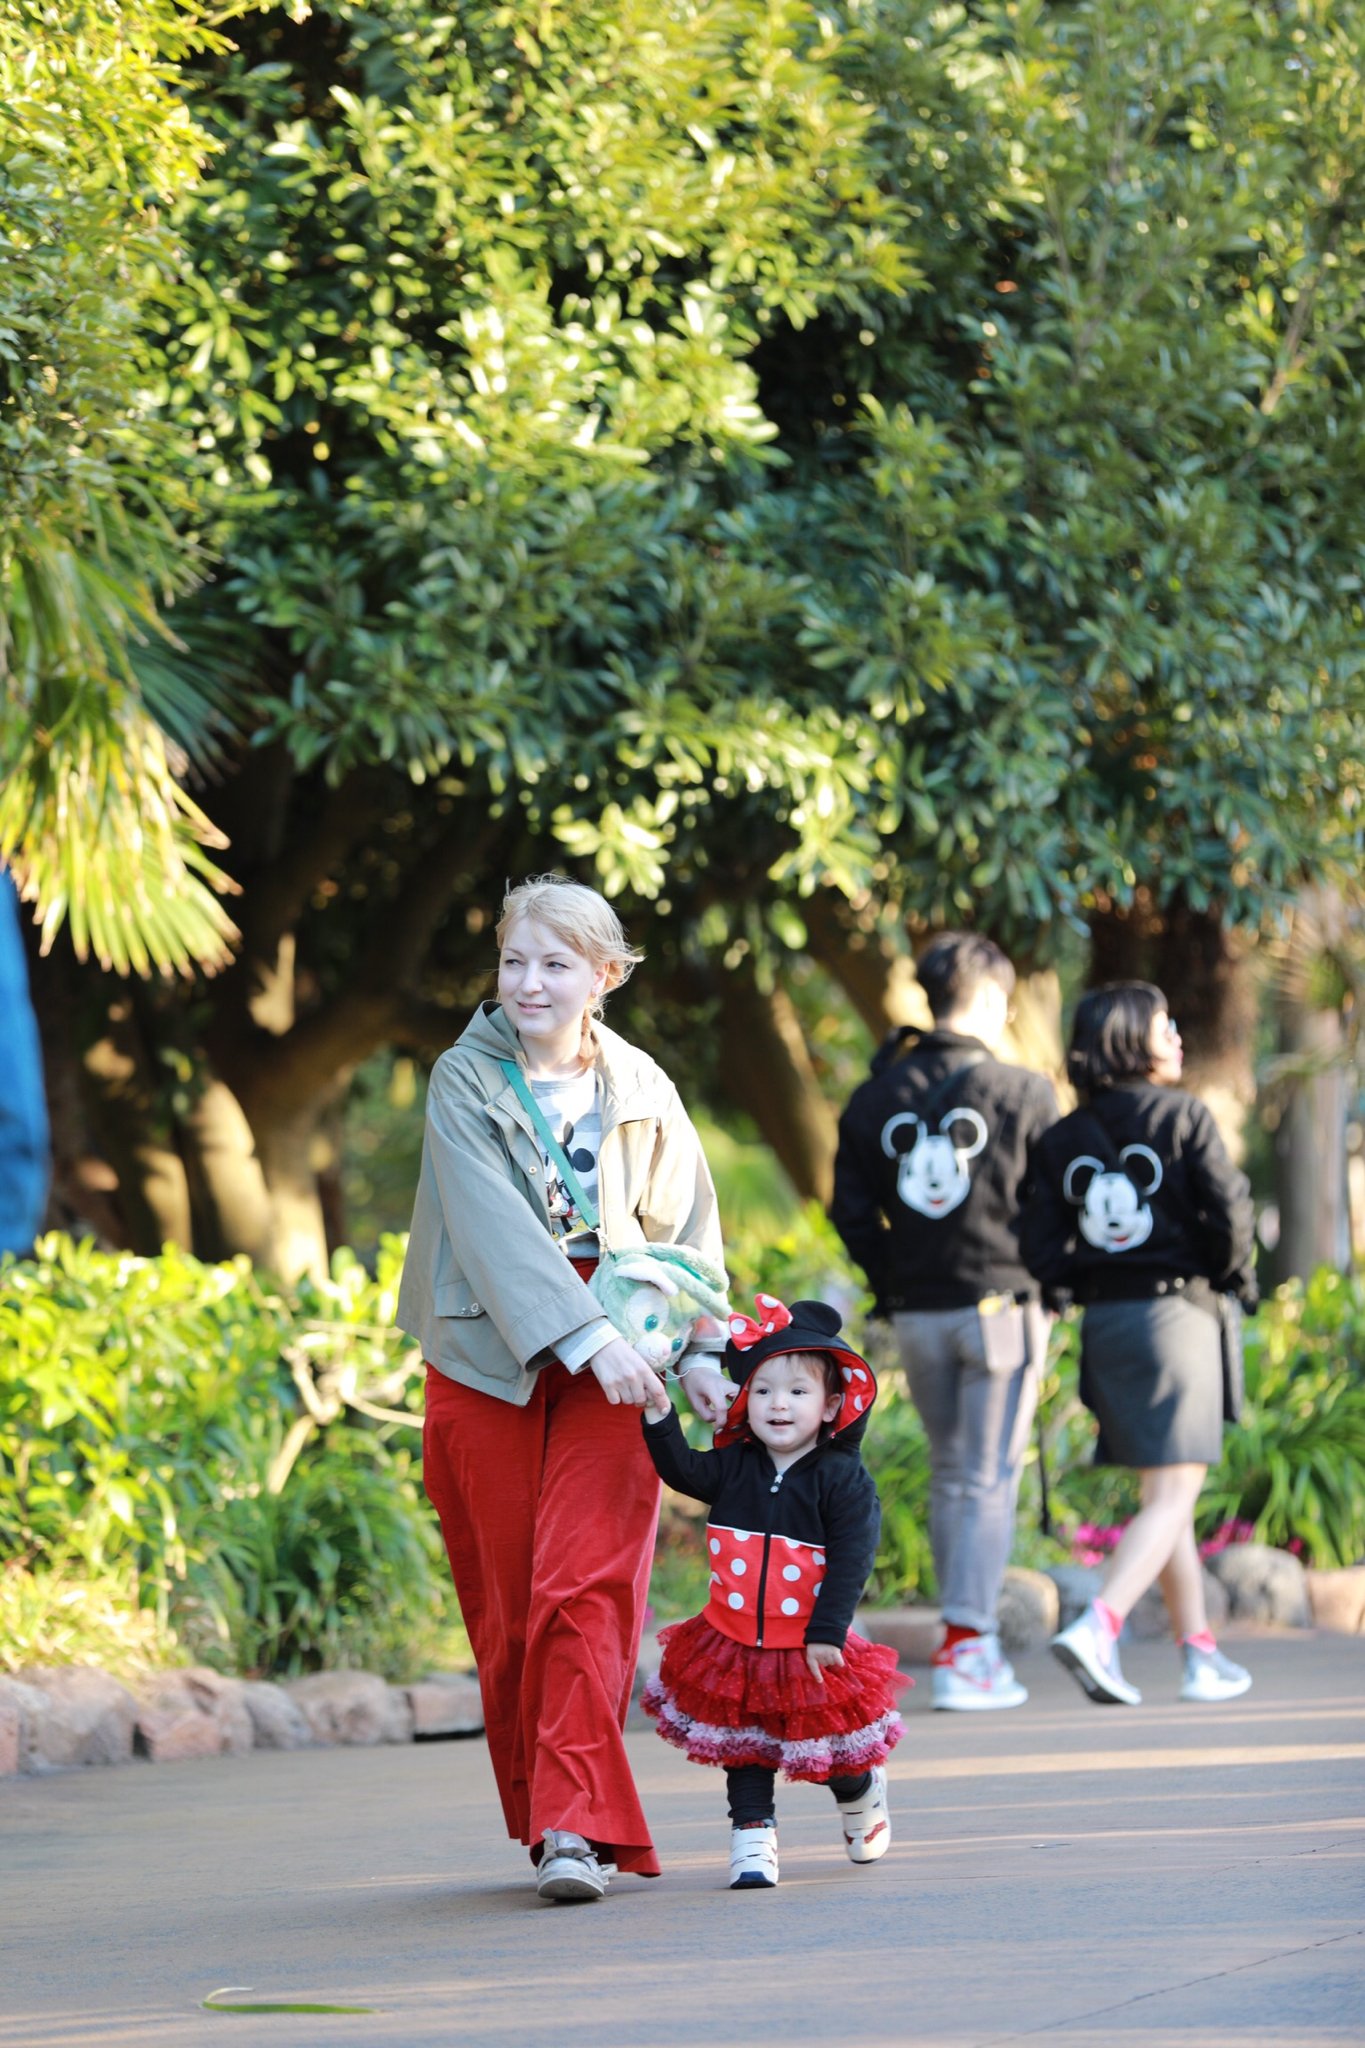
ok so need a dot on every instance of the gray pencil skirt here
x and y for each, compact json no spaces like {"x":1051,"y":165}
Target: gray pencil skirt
{"x":1151,"y":1374}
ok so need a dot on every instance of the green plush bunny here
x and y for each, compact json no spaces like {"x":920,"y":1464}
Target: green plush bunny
{"x":659,"y":1296}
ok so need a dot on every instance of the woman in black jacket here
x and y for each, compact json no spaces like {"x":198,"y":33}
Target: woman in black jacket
{"x":1135,"y":1210}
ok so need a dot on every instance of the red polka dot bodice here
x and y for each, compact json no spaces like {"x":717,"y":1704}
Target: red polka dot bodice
{"x":754,"y":1576}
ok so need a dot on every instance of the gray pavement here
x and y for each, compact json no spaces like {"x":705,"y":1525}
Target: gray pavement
{"x":1173,"y":1875}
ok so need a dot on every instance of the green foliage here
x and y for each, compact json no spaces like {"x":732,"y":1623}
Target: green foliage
{"x":93,"y":819}
{"x":152,"y":1430}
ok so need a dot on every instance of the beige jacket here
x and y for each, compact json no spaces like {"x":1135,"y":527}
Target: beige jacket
{"x":485,"y":1288}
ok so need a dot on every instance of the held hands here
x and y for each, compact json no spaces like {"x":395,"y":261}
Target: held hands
{"x":823,"y":1657}
{"x":624,"y":1377}
{"x":709,"y":1391}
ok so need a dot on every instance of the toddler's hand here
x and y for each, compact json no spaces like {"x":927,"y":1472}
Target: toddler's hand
{"x":658,"y":1407}
{"x":823,"y":1657}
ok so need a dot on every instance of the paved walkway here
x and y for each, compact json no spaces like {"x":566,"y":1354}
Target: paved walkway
{"x":1175,"y":1875}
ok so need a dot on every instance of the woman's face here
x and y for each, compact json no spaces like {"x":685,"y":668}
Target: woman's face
{"x":1166,"y":1051}
{"x":545,"y":986}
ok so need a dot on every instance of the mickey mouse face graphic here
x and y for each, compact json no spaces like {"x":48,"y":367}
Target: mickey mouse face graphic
{"x":933,"y":1176}
{"x":1115,"y":1216}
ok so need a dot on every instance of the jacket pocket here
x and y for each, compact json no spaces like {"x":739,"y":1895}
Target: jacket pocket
{"x":456,"y":1298}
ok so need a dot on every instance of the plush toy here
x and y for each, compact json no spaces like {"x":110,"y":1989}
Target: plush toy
{"x":659,"y":1296}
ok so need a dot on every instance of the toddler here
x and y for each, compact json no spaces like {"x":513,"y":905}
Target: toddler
{"x":770,"y":1676}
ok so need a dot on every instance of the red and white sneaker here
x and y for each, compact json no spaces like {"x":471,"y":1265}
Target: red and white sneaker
{"x":974,"y":1678}
{"x":866,"y":1822}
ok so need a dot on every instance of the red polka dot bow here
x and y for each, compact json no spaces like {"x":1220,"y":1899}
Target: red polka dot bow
{"x":774,"y":1316}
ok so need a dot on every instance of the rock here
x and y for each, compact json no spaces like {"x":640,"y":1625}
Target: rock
{"x":1337,"y":1598}
{"x":277,"y":1722}
{"x":193,"y":1713}
{"x":21,"y":1710}
{"x":912,"y":1632}
{"x":1263,"y":1585}
{"x":444,"y":1704}
{"x":352,"y":1707}
{"x":1077,"y":1585}
{"x":88,"y":1719}
{"x":1027,"y":1611}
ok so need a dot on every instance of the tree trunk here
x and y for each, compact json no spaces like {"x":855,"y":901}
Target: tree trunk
{"x":154,"y":1193}
{"x":1208,"y":976}
{"x":232,"y":1211}
{"x":1310,"y":1146}
{"x":878,"y":979}
{"x":768,"y":1073}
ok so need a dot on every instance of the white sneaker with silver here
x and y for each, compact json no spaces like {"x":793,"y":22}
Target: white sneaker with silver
{"x":866,"y":1822}
{"x":975,"y":1677}
{"x":753,"y":1858}
{"x":1209,"y":1675}
{"x":569,"y":1871}
{"x":1091,"y":1655}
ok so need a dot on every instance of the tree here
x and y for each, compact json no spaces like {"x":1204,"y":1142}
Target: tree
{"x":99,"y":699}
{"x":789,"y":461}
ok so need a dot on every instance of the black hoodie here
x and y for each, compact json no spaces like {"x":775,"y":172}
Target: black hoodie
{"x":933,"y":1149}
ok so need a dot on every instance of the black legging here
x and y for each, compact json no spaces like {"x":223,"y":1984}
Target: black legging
{"x":752,"y":1788}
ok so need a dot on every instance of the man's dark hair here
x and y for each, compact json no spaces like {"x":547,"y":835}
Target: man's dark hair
{"x":953,"y":967}
{"x":1111,"y":1036}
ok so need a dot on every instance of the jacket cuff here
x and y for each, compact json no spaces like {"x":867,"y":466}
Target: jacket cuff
{"x":582,"y":1346}
{"x":827,"y":1632}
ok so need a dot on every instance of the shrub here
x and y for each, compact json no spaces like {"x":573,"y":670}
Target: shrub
{"x":244,"y":1460}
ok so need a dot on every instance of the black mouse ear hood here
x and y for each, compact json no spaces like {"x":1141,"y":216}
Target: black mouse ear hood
{"x":779,"y":1330}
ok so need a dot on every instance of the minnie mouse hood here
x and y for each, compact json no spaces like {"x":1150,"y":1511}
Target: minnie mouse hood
{"x":779,"y":1330}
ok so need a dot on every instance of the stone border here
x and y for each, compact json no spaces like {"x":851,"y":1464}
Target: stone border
{"x":55,"y":1719}
{"x":52,"y":1719}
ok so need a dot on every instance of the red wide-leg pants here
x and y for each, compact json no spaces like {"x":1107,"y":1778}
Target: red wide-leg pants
{"x":548,"y":1514}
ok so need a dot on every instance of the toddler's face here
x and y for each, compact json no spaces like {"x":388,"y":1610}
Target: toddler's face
{"x":789,"y":1403}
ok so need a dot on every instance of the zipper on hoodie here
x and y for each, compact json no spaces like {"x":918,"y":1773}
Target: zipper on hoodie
{"x":776,"y":1487}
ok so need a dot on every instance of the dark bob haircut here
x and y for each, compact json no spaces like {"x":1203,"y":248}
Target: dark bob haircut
{"x":1111,"y":1035}
{"x":953,"y":967}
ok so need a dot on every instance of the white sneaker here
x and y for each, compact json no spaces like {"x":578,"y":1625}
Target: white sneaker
{"x":867,"y":1821}
{"x":974,"y":1677}
{"x":569,"y":1871}
{"x":1209,"y":1675}
{"x":1091,"y":1655}
{"x":753,"y":1858}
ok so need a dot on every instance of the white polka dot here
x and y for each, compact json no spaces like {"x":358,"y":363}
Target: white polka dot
{"x":741,"y":1535}
{"x":736,"y":1599}
{"x":791,"y":1606}
{"x":858,"y":1373}
{"x":715,"y":1578}
{"x":818,"y":1584}
{"x":791,"y":1571}
{"x":715,"y":1546}
{"x":818,"y":1558}
{"x":859,"y":1402}
{"x":738,"y":1566}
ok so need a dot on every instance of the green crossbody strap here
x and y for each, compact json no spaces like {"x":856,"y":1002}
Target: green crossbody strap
{"x":553,"y":1148}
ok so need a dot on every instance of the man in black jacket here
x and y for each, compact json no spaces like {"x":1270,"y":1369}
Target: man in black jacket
{"x":933,"y":1149}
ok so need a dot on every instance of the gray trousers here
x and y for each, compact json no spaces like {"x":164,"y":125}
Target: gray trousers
{"x":974,"y":1378}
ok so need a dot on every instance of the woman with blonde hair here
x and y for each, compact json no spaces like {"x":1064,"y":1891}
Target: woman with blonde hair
{"x":549,"y":1139}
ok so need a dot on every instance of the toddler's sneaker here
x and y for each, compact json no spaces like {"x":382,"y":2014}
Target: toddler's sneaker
{"x":569,"y":1871}
{"x":1209,"y":1675}
{"x":867,"y":1821}
{"x":974,"y":1677}
{"x":753,"y":1858}
{"x":1091,"y":1655}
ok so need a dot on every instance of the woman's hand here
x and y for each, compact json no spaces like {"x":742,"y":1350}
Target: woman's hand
{"x":709,"y":1391}
{"x":823,"y":1657}
{"x":624,"y":1377}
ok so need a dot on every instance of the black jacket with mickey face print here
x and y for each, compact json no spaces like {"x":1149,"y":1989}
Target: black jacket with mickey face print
{"x":1134,"y":1193}
{"x":933,"y":1149}
{"x":790,"y":1551}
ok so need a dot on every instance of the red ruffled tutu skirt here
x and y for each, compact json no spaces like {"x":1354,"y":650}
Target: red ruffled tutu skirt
{"x":726,"y":1703}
